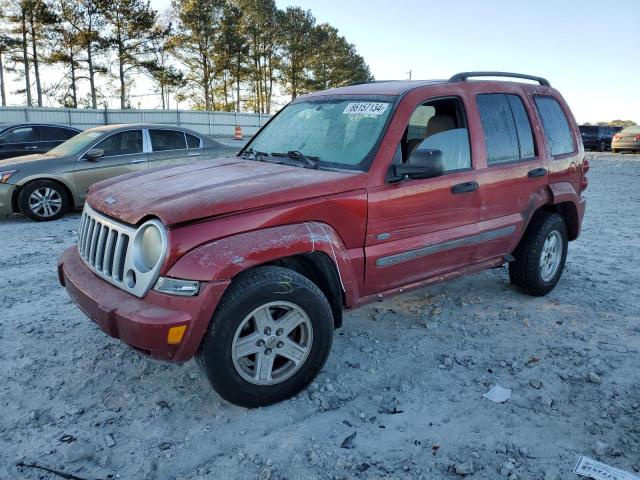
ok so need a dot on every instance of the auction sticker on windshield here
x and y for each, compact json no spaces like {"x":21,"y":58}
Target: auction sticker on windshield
{"x":365,"y":108}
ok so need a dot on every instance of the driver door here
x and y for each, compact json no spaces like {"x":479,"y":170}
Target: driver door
{"x":123,"y":153}
{"x":418,"y":229}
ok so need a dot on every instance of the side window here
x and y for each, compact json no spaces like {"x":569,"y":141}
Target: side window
{"x":555,"y":125}
{"x":499,"y":128}
{"x":20,"y":135}
{"x":50,"y":134}
{"x":523,"y":127}
{"x":167,"y":140}
{"x":68,"y":133}
{"x":439,"y":125}
{"x":192,"y":141}
{"x":123,"y":143}
{"x":506,"y":127}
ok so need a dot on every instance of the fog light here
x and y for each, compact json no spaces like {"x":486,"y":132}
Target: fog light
{"x":175,"y":286}
{"x":175,"y":334}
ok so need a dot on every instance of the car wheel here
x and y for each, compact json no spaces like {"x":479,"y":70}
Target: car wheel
{"x":268,"y":339}
{"x":540,"y":256}
{"x":43,"y":200}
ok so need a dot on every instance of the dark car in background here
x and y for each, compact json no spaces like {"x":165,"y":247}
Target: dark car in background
{"x":627,"y":140}
{"x":45,"y":186}
{"x":595,"y":137}
{"x":17,"y":139}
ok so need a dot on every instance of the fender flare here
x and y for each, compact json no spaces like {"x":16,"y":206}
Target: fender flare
{"x":222,"y":260}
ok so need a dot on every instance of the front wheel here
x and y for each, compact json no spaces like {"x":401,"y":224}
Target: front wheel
{"x":43,"y":200}
{"x":269,"y":338}
{"x":541,"y":255}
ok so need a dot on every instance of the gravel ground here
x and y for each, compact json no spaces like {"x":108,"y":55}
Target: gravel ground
{"x":400,"y":397}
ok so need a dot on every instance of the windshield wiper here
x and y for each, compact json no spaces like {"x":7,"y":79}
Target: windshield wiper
{"x":260,"y":156}
{"x":298,"y":155}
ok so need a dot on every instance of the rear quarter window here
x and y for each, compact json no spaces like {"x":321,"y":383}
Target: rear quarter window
{"x":555,"y":125}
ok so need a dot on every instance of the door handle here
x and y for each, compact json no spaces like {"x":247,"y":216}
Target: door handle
{"x":33,"y":147}
{"x":465,"y":187}
{"x":537,"y":172}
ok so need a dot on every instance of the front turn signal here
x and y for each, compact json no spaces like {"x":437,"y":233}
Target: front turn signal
{"x":175,"y":334}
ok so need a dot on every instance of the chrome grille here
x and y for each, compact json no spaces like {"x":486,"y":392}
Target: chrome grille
{"x":103,"y":245}
{"x":106,"y":247}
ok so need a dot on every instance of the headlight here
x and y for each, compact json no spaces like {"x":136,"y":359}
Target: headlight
{"x":176,"y":286}
{"x":149,"y":246}
{"x":6,"y":175}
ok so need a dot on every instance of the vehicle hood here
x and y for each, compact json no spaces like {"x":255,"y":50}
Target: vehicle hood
{"x":16,"y":162}
{"x":213,"y":187}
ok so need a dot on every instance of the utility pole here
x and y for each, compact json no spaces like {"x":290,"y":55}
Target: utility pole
{"x":410,"y":72}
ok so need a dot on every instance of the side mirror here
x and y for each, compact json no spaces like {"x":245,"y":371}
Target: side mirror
{"x":422,"y":164}
{"x":94,"y":154}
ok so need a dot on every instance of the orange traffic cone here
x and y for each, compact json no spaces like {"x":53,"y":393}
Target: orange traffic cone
{"x":238,"y":134}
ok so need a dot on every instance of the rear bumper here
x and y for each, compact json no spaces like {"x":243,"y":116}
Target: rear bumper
{"x":140,"y":323}
{"x":626,"y":145}
{"x":6,"y":196}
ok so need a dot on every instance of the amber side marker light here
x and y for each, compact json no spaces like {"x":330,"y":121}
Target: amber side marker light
{"x":175,"y":334}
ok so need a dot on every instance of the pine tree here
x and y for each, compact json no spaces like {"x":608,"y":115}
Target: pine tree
{"x":129,"y":25}
{"x":296,"y":33}
{"x":195,"y":45}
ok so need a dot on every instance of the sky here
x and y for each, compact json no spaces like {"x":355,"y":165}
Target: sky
{"x":588,"y":49}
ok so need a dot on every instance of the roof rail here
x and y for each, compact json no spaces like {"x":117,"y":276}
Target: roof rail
{"x":372,"y":81}
{"x":462,"y":77}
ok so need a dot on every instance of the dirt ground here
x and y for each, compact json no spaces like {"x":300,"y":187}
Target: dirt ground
{"x":406,"y":376}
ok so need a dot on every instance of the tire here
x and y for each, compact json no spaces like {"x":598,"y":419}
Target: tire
{"x":529,"y":272}
{"x":235,"y":324}
{"x":33,"y":194}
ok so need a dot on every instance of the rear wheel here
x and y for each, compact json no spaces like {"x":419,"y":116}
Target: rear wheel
{"x":269,"y":338}
{"x":43,"y":200}
{"x":541,"y":255}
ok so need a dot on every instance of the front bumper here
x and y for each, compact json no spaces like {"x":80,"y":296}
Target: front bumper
{"x":142,"y":323}
{"x":6,"y":197}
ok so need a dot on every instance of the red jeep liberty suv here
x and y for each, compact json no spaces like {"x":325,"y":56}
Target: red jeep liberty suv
{"x":345,"y":196}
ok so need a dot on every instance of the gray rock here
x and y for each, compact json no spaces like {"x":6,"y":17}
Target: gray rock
{"x":600,"y":448}
{"x":507,"y":469}
{"x":464,"y":468}
{"x":594,"y":378}
{"x":109,"y":440}
{"x":526,"y":452}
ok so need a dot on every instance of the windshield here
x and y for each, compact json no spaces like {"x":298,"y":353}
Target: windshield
{"x":336,"y":131}
{"x":76,"y":144}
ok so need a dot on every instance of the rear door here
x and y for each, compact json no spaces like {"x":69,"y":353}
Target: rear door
{"x":124,"y":152}
{"x":169,"y":147}
{"x":52,"y":136}
{"x":19,"y":141}
{"x":515,"y":171}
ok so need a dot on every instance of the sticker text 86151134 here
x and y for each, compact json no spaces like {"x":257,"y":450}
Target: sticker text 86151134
{"x":365,"y":108}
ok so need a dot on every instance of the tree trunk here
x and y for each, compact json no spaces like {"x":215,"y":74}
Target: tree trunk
{"x":25,"y":59}
{"x":238,"y":83}
{"x":162,"y":95}
{"x":225,"y":92}
{"x":123,"y":98}
{"x":36,"y":63}
{"x":74,"y":91}
{"x":3,"y":95}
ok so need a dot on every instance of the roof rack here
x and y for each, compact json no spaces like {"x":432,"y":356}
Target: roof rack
{"x":372,"y":81}
{"x":462,"y":77}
